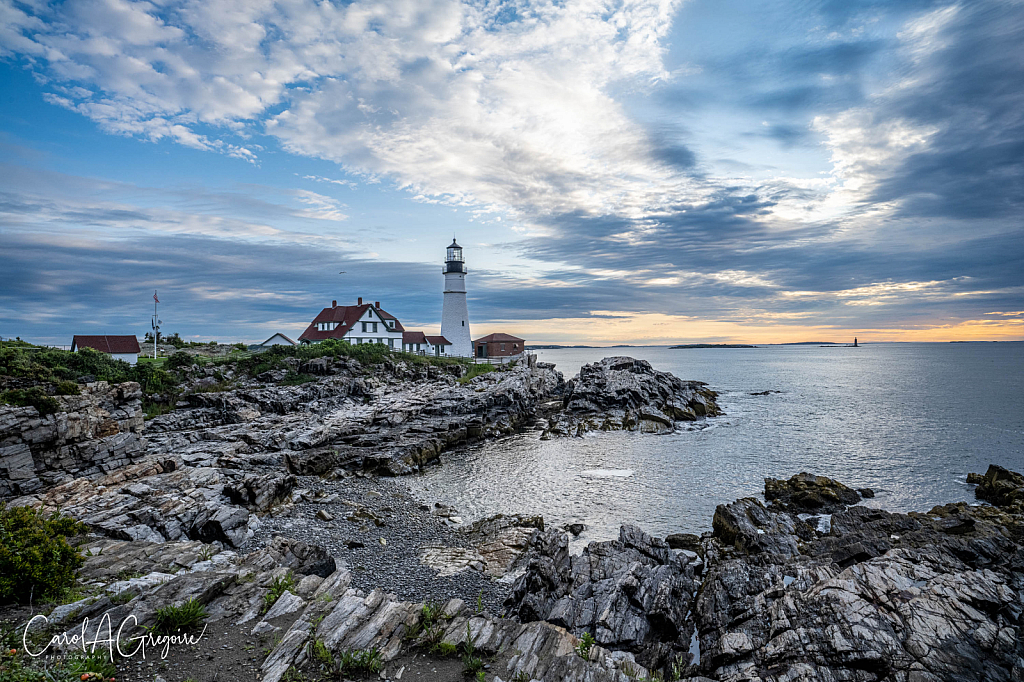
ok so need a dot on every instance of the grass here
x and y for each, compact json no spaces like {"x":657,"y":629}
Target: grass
{"x":280,"y":585}
{"x":475,"y":371}
{"x":295,"y":379}
{"x":172,"y":619}
{"x":154,"y":409}
{"x":350,"y":662}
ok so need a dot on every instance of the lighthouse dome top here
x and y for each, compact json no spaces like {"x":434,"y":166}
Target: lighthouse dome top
{"x":454,"y":254}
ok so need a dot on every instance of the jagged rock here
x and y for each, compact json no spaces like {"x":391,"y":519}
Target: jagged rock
{"x":260,"y":492}
{"x":296,"y":555}
{"x":809,"y":493}
{"x":933,"y":596}
{"x":632,"y":594}
{"x":624,"y":393}
{"x":999,"y":486}
{"x":93,"y":433}
{"x":748,"y":527}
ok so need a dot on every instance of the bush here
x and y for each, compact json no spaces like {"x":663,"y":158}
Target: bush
{"x":179,"y":360}
{"x":366,"y":353}
{"x":35,"y":557}
{"x":31,"y":397}
{"x":63,"y":367}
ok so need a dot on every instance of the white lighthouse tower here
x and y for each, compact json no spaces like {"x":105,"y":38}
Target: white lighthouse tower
{"x":455,"y":315}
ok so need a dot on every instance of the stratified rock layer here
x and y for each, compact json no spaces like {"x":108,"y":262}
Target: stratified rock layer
{"x":93,"y":433}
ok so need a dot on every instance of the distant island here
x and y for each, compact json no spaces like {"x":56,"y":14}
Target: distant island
{"x":554,"y":347}
{"x":713,"y":345}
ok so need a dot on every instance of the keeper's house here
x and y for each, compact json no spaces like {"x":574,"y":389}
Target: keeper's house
{"x":421,"y":344}
{"x":118,"y":347}
{"x":359,"y":323}
{"x":498,"y":346}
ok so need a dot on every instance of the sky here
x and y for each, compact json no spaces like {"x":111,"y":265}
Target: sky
{"x":635,"y":172}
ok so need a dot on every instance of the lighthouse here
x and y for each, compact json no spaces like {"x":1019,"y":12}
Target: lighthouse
{"x":455,"y":315}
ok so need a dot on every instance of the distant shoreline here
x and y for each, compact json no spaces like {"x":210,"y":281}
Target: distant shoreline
{"x":712,"y":345}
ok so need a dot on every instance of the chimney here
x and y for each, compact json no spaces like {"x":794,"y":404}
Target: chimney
{"x":376,"y":304}
{"x":334,"y":304}
{"x":360,"y":301}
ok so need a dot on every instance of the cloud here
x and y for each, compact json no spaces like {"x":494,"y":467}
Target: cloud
{"x":561,"y":118}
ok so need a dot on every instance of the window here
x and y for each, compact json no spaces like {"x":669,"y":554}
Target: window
{"x":374,"y":327}
{"x":463,"y":323}
{"x":364,"y":327}
{"x":503,"y":346}
{"x":515,"y":345}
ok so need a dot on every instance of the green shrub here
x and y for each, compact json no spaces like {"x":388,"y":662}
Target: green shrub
{"x":31,"y":397}
{"x":179,"y":360}
{"x":296,"y":379}
{"x":445,"y":649}
{"x":172,"y":619}
{"x":585,"y":645}
{"x":319,"y":652}
{"x":366,"y":353}
{"x":35,"y":558}
{"x":67,"y":388}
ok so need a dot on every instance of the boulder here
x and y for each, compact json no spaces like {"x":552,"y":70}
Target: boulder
{"x":294,"y":554}
{"x":809,"y":493}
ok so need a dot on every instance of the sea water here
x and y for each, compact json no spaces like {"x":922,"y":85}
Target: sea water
{"x":908,"y":420}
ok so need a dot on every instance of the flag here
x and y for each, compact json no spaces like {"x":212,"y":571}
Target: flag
{"x":155,"y":298}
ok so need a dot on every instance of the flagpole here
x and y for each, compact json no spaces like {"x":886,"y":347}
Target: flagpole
{"x":155,"y":301}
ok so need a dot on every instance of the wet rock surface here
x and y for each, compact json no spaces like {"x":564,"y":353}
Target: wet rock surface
{"x":809,"y":493}
{"x":622,"y":393}
{"x":1000,"y":487}
{"x":880,"y":596}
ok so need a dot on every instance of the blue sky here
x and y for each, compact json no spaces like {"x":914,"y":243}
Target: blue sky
{"x":618,"y":172}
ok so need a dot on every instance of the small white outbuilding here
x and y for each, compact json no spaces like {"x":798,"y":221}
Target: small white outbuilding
{"x":118,"y":347}
{"x":277,"y":340}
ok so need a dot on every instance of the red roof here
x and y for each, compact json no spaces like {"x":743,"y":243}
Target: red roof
{"x":346,"y":316}
{"x":490,"y":338}
{"x":438,"y":341}
{"x":414,"y":337}
{"x":107,"y":344}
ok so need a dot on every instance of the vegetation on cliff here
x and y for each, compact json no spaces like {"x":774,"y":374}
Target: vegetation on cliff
{"x":36,"y":560}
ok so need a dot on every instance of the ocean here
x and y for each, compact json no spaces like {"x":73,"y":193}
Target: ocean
{"x":908,"y":420}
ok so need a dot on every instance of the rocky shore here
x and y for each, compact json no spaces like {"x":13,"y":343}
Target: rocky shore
{"x":277,"y":508}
